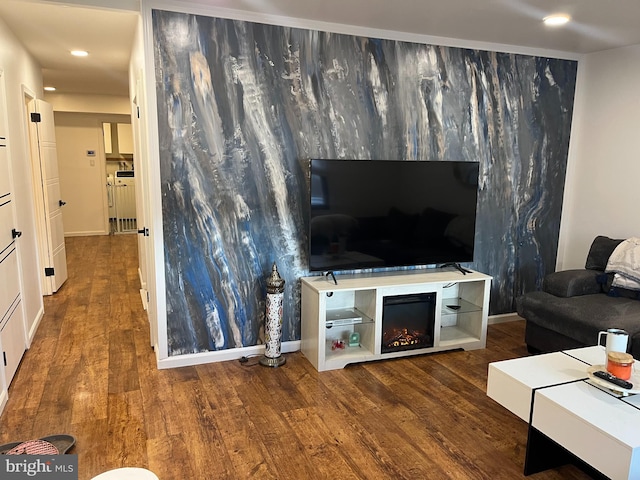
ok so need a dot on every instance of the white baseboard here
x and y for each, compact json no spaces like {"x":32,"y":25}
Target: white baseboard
{"x":86,"y":234}
{"x":4,"y":397}
{"x":503,"y":318}
{"x":221,"y":355}
{"x":143,"y":297}
{"x":143,"y":284}
{"x":34,"y":327}
{"x":287,"y":347}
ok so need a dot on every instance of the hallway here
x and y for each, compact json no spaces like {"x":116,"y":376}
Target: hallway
{"x":81,"y":374}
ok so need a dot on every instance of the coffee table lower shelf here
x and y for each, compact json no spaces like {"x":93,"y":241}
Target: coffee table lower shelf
{"x":542,"y":454}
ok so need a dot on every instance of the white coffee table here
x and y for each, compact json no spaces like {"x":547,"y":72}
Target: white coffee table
{"x":568,"y":414}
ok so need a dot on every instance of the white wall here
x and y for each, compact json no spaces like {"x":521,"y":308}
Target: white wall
{"x":602,"y":192}
{"x":82,"y":103}
{"x":21,"y":71}
{"x":82,"y":177}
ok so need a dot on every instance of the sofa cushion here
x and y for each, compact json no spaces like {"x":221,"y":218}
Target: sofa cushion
{"x":601,"y":249}
{"x":569,"y":283}
{"x":580,"y":317}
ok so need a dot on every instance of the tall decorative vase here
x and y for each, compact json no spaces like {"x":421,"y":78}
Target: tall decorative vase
{"x":273,"y":320}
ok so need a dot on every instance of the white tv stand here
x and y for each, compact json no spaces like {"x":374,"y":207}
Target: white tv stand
{"x":332,"y":312}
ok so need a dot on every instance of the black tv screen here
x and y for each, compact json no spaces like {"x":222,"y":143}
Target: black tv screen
{"x":384,"y":213}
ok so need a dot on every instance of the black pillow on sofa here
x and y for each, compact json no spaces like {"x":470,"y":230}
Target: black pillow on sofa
{"x":606,"y":281}
{"x":624,"y":292}
{"x":600,"y":251}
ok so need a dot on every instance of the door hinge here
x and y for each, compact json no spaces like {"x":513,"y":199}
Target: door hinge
{"x":148,"y":299}
{"x":48,"y":272}
{"x":4,"y":355}
{"x":138,"y":109}
{"x":36,"y":118}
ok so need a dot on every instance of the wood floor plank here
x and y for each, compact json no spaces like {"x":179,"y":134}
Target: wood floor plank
{"x":91,"y":373}
{"x":71,"y":340}
{"x":244,"y":454}
{"x":215,"y":378}
{"x":34,"y":371}
{"x":396,"y":429}
{"x":90,"y":392}
{"x":409,"y":410}
{"x":159,"y":390}
{"x":123,"y":365}
{"x":20,"y":423}
{"x":125,"y":435}
{"x":320,"y":457}
{"x":173,"y":456}
{"x":91,"y":448}
{"x":446,"y":406}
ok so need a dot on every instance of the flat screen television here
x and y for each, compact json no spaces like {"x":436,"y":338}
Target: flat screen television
{"x":366,"y":214}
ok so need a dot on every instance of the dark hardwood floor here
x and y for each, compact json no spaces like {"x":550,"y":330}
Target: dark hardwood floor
{"x":90,"y":372}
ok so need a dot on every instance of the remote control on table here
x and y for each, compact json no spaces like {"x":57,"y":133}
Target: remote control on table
{"x":611,"y":379}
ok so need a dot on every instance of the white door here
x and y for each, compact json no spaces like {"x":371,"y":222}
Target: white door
{"x":47,"y":188}
{"x":12,"y":331}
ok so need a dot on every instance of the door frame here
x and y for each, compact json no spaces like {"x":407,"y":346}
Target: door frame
{"x":37,"y":193}
{"x":143,"y":209}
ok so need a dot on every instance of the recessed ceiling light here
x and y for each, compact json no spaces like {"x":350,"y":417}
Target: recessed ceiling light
{"x":50,"y":89}
{"x":556,"y":20}
{"x":79,"y":53}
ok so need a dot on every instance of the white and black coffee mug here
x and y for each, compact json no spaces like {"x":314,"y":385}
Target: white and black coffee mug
{"x":617,"y":340}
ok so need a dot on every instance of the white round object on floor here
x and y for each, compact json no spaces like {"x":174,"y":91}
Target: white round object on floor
{"x":127,"y":473}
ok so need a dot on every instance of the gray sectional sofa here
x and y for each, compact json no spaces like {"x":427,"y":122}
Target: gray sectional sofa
{"x":574,"y":305}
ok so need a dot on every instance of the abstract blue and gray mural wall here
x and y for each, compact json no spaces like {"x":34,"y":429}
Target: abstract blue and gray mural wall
{"x":241,"y":108}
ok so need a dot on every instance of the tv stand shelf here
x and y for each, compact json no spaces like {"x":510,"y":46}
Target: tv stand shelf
{"x":331,"y":313}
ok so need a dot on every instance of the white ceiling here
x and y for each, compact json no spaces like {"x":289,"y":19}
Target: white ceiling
{"x":49,"y":29}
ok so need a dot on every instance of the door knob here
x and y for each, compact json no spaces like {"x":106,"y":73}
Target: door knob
{"x":15,"y":233}
{"x":61,"y":203}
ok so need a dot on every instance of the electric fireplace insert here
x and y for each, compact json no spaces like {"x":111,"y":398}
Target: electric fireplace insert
{"x":408,"y":322}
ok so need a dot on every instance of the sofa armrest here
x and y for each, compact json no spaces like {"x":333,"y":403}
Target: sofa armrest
{"x":571,"y":283}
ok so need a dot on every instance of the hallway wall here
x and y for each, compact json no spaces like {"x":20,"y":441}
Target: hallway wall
{"x":22,"y":73}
